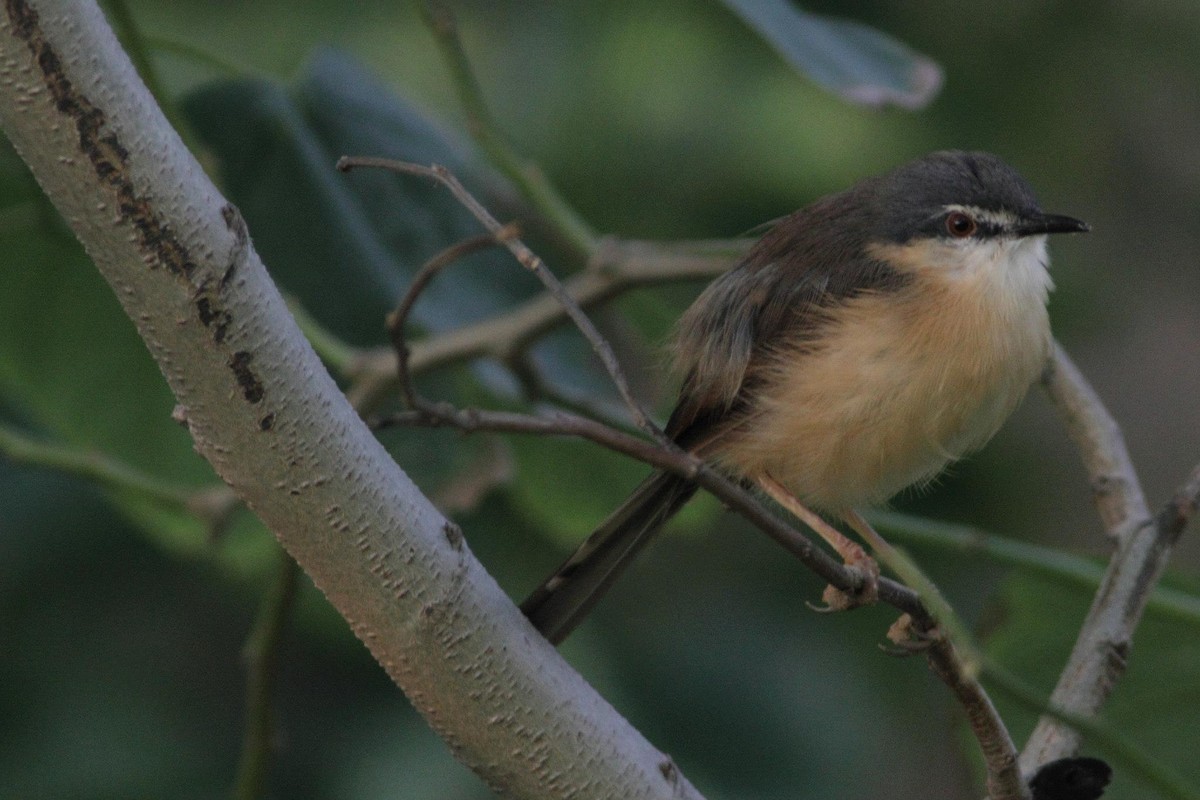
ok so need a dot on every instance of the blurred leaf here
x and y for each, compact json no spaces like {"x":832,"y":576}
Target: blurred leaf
{"x":567,"y":486}
{"x":1040,"y":622}
{"x":852,"y":60}
{"x":345,"y":245}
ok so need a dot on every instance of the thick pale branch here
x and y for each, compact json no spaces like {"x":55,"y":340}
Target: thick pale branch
{"x":263,"y":410}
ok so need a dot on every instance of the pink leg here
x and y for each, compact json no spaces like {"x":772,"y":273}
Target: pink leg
{"x":850,"y":551}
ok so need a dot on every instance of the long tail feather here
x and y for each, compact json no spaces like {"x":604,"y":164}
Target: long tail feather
{"x":565,"y":598}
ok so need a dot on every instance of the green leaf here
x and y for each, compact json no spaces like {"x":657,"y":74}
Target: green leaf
{"x":345,"y":245}
{"x":856,"y":62}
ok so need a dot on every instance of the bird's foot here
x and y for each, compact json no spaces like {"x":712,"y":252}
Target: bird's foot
{"x":908,"y":639}
{"x":866,"y":569}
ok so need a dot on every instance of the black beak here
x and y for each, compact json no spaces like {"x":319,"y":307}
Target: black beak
{"x":1039,"y":223}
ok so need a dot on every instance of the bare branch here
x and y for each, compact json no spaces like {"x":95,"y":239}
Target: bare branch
{"x":616,"y":266}
{"x":1144,"y":545}
{"x":398,"y":319}
{"x":1115,"y":486}
{"x":673,"y":460}
{"x":662,"y":453}
{"x":955,"y":659}
{"x":1004,"y":781}
{"x":535,"y":265}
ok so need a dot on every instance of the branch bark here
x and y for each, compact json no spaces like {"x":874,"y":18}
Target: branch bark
{"x":275,"y":427}
{"x":1144,"y":544}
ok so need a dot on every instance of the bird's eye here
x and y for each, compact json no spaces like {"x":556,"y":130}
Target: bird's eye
{"x":960,"y":225}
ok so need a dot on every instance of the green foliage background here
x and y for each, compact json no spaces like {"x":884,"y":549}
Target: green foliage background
{"x":121,"y":621}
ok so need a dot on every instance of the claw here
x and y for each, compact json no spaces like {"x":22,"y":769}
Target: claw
{"x":909,"y":639}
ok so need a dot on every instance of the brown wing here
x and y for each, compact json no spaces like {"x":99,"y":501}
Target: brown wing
{"x":776,"y":295}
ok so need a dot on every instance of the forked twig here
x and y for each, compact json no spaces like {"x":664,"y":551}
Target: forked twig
{"x":427,"y":413}
{"x":534,"y":264}
{"x":1144,"y":544}
{"x":398,"y":319}
{"x":615,"y":266}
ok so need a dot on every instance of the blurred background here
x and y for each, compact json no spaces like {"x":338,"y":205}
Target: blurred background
{"x":122,"y":621}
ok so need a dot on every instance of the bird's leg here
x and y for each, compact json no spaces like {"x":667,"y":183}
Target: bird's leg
{"x":851,"y":552}
{"x":904,"y":633}
{"x":864,"y":529}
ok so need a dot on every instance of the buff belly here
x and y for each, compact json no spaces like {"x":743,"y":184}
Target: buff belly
{"x":894,"y":392}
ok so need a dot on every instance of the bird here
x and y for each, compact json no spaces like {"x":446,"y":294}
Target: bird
{"x":861,"y":344}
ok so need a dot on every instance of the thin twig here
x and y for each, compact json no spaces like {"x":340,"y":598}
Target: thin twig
{"x":531,"y":183}
{"x":956,"y":660}
{"x":662,"y":453}
{"x":1004,"y":781}
{"x":534,"y":264}
{"x":616,"y":267}
{"x":675,"y":461}
{"x":212,"y":505}
{"x":1144,"y":544}
{"x":97,"y":467}
{"x":261,"y":656}
{"x":398,"y":320}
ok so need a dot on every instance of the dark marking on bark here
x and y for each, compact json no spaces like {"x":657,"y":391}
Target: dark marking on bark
{"x":252,"y":388}
{"x":213,"y":317}
{"x":267,"y":422}
{"x":453,"y":534}
{"x":101,"y":146}
{"x":102,"y":149}
{"x":241,"y":237}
